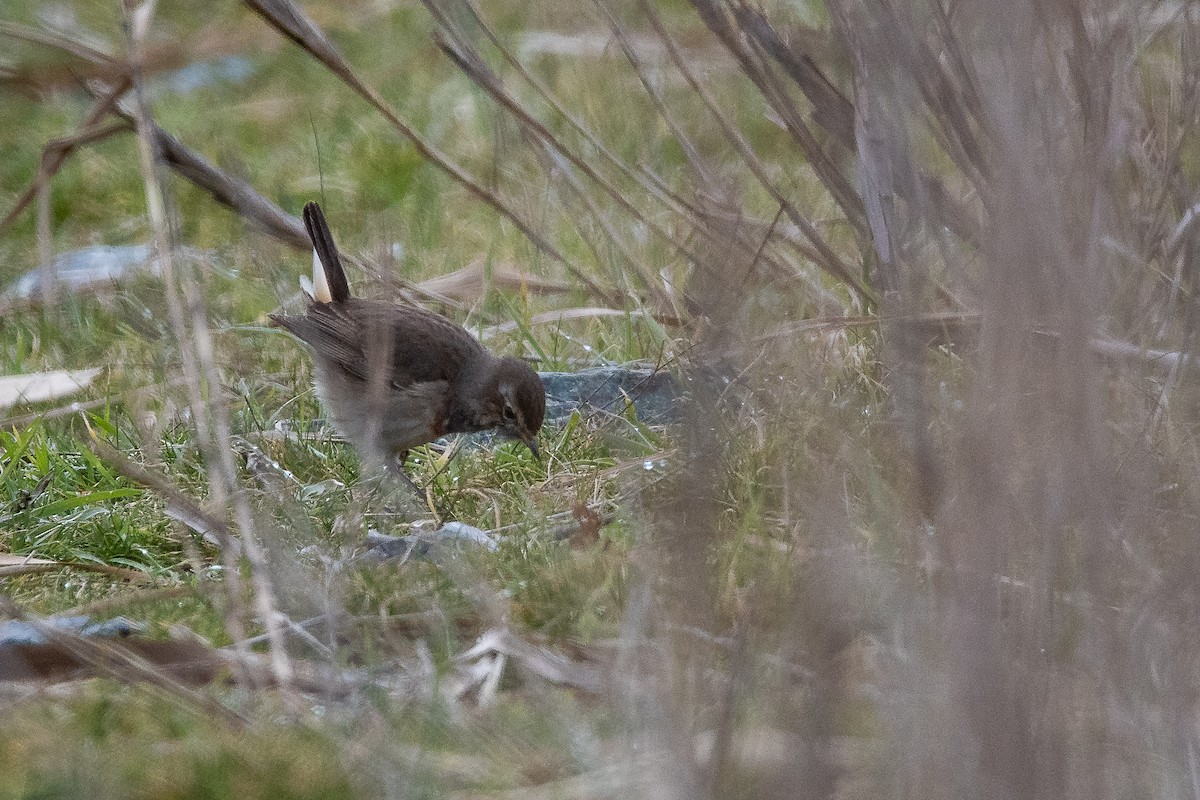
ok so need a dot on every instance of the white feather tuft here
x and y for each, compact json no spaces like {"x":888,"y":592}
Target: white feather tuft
{"x":320,"y":284}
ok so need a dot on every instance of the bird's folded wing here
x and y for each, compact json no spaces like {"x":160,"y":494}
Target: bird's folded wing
{"x":333,"y":334}
{"x":362,"y":336}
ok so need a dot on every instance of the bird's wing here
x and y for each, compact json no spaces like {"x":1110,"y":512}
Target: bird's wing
{"x":362,"y":336}
{"x":332,"y":333}
{"x":425,"y":346}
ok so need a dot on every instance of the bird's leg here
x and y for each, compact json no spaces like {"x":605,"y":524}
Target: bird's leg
{"x":395,"y":465}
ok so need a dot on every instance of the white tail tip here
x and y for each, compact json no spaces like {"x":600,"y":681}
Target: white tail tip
{"x":320,"y":284}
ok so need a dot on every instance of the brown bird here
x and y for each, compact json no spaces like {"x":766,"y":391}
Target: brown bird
{"x":393,"y":377}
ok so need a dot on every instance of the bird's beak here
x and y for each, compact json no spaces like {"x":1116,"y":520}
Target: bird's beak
{"x":531,"y":442}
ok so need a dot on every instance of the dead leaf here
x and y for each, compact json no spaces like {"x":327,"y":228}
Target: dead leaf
{"x":12,"y":565}
{"x":588,"y":532}
{"x":183,"y":661}
{"x":34,"y":387}
{"x":479,"y":664}
{"x":561,"y":316}
{"x":467,"y":284}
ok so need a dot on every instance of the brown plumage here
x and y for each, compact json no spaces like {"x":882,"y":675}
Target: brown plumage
{"x":392,"y":377}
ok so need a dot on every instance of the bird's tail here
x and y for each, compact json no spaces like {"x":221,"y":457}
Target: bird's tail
{"x":329,"y":280}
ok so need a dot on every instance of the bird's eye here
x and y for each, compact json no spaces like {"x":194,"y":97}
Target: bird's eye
{"x":509,"y":414}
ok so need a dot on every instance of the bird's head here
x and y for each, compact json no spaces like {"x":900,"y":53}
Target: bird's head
{"x":518,"y":402}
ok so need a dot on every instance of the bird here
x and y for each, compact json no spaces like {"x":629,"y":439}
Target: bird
{"x":393,"y":377}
